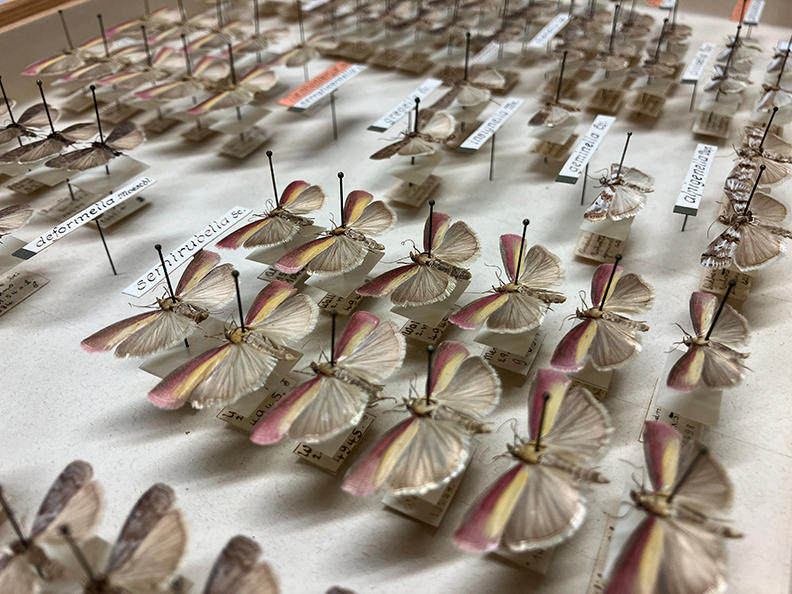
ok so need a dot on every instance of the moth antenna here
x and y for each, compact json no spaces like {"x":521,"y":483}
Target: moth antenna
{"x":582,"y":297}
{"x":413,"y":244}
{"x":499,"y":456}
{"x":617,"y":516}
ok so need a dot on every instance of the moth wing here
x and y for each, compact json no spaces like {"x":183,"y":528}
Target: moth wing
{"x":53,"y":66}
{"x":199,"y":266}
{"x":707,"y":488}
{"x":36,"y":116}
{"x":485,"y":521}
{"x":686,"y":372}
{"x":74,"y":499}
{"x":34,"y":151}
{"x":298,"y":258}
{"x":224,"y":100}
{"x":627,"y":202}
{"x":436,"y":454}
{"x":260,"y":79}
{"x":343,"y":255}
{"x":8,"y":133}
{"x":460,"y":245}
{"x":416,"y":146}
{"x":82,"y":159}
{"x":558,"y":114}
{"x":598,"y":211}
{"x":174,"y":389}
{"x":775,"y":173}
{"x":541,"y":117}
{"x":277,"y":422}
{"x":273,"y":231}
{"x":490,"y":77}
{"x":470,"y":95}
{"x":388,"y":282}
{"x":354,"y":205}
{"x":267,"y":300}
{"x":213,"y":290}
{"x":662,"y":445}
{"x":126,"y":136}
{"x":434,"y":235}
{"x":426,"y":286}
{"x":541,"y":268}
{"x":243,"y":235}
{"x":337,"y":407}
{"x":550,"y":382}
{"x":260,"y":580}
{"x":638,"y":565}
{"x":692,"y":559}
{"x":376,"y":219}
{"x":722,"y":367}
{"x":631,"y":294}
{"x":637,"y":178}
{"x":169,"y":91}
{"x":768,"y":209}
{"x":519,"y":313}
{"x":612,"y":346}
{"x":372,"y":469}
{"x":730,"y":329}
{"x":163,"y":332}
{"x":757,"y":248}
{"x":396,"y":147}
{"x":441,"y":125}
{"x":550,"y":509}
{"x":235,"y":562}
{"x":14,"y":217}
{"x":156,"y":558}
{"x":475,"y":313}
{"x":720,"y":252}
{"x":80,"y":132}
{"x":581,"y":429}
{"x":358,"y":329}
{"x":301,"y":198}
{"x":510,"y":254}
{"x":776,"y":146}
{"x":18,"y":576}
{"x":447,"y":360}
{"x":599,"y":282}
{"x":291,"y":320}
{"x":107,"y":338}
{"x":570,"y":353}
{"x":379,"y":355}
{"x":474,"y":390}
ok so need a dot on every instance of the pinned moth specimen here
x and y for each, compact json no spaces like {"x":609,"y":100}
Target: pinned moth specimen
{"x":421,"y":140}
{"x":55,"y":141}
{"x":773,"y":95}
{"x":754,"y":237}
{"x":219,"y":36}
{"x":148,"y":550}
{"x":100,"y":67}
{"x":553,"y":113}
{"x":308,"y":50}
{"x":761,"y":147}
{"x":711,"y":357}
{"x":154,"y":22}
{"x":74,"y":499}
{"x":14,"y":217}
{"x":282,"y":223}
{"x":367,"y":353}
{"x":238,"y":571}
{"x":520,"y":304}
{"x":538,"y":503}
{"x":432,"y":276}
{"x":223,"y":374}
{"x":161,"y":65}
{"x":636,"y":26}
{"x":343,"y":248}
{"x":32,"y":117}
{"x":727,"y":82}
{"x":431,"y":447}
{"x":678,"y":547}
{"x":738,"y":49}
{"x":623,"y":194}
{"x":468,"y":93}
{"x":67,"y":60}
{"x":605,"y":336}
{"x":126,"y":136}
{"x":258,"y":42}
{"x":203,"y":286}
{"x":258,"y":80}
{"x":658,"y":64}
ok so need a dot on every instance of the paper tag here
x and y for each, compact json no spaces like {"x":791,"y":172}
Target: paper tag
{"x":24,"y":185}
{"x":403,"y":108}
{"x":584,"y":150}
{"x":434,"y":313}
{"x":716,"y":281}
{"x":509,"y":361}
{"x":313,"y":4}
{"x":345,"y":306}
{"x":537,"y":561}
{"x":198,"y":133}
{"x":241,"y":147}
{"x":687,"y":427}
{"x":77,"y":102}
{"x":272,"y":273}
{"x":596,"y":381}
{"x":174,"y":259}
{"x":422,"y":333}
{"x":117,"y":112}
{"x":86,"y":215}
{"x":606,"y":100}
{"x":417,"y":172}
{"x":667,"y":4}
{"x":49,"y":176}
{"x":598,"y":584}
{"x":484,"y":132}
{"x":332,"y":454}
{"x":123,"y":170}
{"x":693,"y":187}
{"x":321,"y":86}
{"x":549,"y":31}
{"x":245,"y":417}
{"x":418,"y":506}
{"x":158,"y":125}
{"x":346,"y":283}
{"x":647,"y":104}
{"x":551,"y":150}
{"x":696,"y":66}
{"x":488,"y":52}
{"x":243,"y":123}
{"x":712,"y":124}
{"x":597,"y":247}
{"x":413,"y":195}
{"x":17,"y":287}
{"x":122,"y":211}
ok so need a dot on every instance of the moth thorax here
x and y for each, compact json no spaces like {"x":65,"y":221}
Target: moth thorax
{"x":100,"y":585}
{"x":369,"y":243}
{"x":421,"y":407}
{"x":18,"y":547}
{"x":236,"y":335}
{"x":508,"y":288}
{"x":698,"y":341}
{"x":527,"y":452}
{"x":343,"y":231}
{"x":591,"y":312}
{"x":373,"y":391}
{"x":656,"y":502}
{"x":323,"y":369}
{"x":169,"y":302}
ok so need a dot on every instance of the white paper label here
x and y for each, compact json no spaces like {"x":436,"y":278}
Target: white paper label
{"x":754,"y":12}
{"x":484,"y":132}
{"x":549,"y":31}
{"x":783,"y":45}
{"x":693,"y":71}
{"x":667,"y":4}
{"x":86,"y":215}
{"x":403,"y":108}
{"x":584,"y":150}
{"x":328,"y":87}
{"x":693,"y":187}
{"x":487,"y":52}
{"x":313,"y":4}
{"x":175,"y":258}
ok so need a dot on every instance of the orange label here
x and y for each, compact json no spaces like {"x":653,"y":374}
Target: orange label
{"x":739,"y":10}
{"x":654,"y":3}
{"x":301,"y":92}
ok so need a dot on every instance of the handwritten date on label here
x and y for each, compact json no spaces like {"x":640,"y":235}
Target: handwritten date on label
{"x":597,"y":247}
{"x":333,"y":461}
{"x":418,"y":332}
{"x":345,"y":306}
{"x":687,"y":427}
{"x":17,"y":287}
{"x":537,"y":561}
{"x":510,"y":361}
{"x":598,"y":584}
{"x":272,"y":273}
{"x":246,"y":422}
{"x":716,"y":281}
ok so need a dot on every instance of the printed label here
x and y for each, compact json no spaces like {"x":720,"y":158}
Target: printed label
{"x":484,"y":132}
{"x":321,"y":85}
{"x":584,"y":150}
{"x":696,"y":67}
{"x":403,"y":108}
{"x":549,"y":31}
{"x":692,"y":191}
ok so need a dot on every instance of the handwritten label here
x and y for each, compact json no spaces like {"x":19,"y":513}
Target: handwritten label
{"x":419,"y":332}
{"x":537,"y":561}
{"x":237,"y":415}
{"x":692,"y":191}
{"x":345,"y":306}
{"x":272,"y":273}
{"x":492,"y":124}
{"x":413,"y":195}
{"x":597,"y":584}
{"x":175,"y":258}
{"x":512,"y":362}
{"x":332,"y":454}
{"x":403,"y":108}
{"x":241,"y":147}
{"x":696,"y":67}
{"x":25,"y":185}
{"x":549,"y":31}
{"x":85,"y":216}
{"x":584,"y":150}
{"x":716,"y":281}
{"x":687,"y":427}
{"x":320,"y":86}
{"x":17,"y":287}
{"x":428,"y":508}
{"x":712,"y":124}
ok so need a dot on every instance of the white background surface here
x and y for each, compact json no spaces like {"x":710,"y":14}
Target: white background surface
{"x":61,"y":403}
